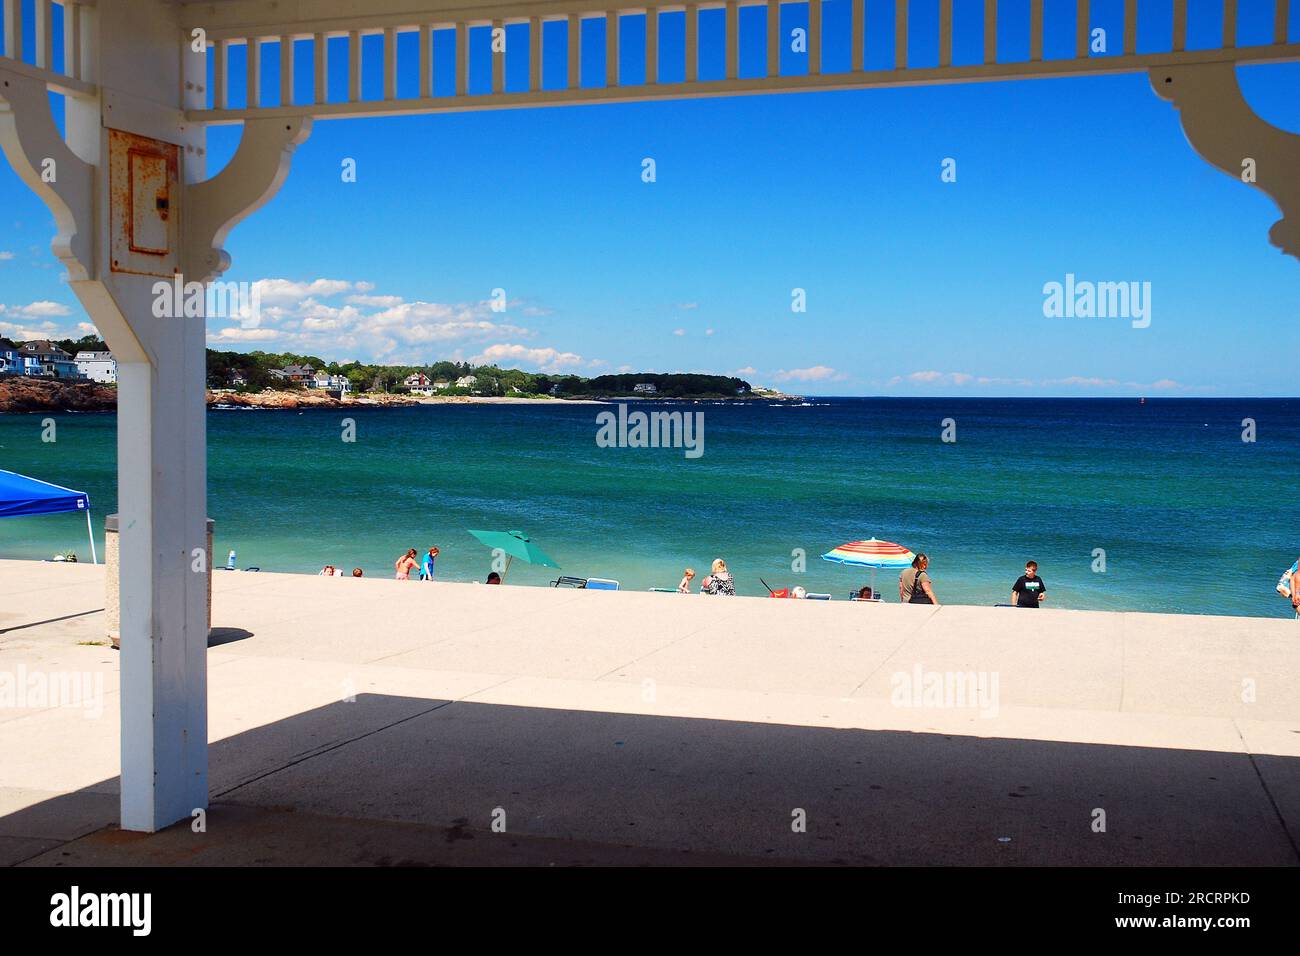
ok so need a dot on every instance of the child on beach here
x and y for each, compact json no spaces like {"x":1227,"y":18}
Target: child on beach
{"x":426,"y":566}
{"x":685,"y":586}
{"x":1029,"y":589}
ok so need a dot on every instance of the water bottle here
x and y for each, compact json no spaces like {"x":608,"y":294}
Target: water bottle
{"x":230,"y":562}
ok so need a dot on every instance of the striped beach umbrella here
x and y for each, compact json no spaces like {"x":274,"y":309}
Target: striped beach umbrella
{"x":872,"y":553}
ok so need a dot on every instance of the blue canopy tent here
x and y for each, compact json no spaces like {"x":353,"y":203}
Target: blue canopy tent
{"x":21,"y":496}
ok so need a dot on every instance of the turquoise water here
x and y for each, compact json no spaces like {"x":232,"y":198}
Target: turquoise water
{"x":1191,"y":518}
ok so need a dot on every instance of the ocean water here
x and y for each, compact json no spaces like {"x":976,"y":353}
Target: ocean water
{"x":1191,"y":518}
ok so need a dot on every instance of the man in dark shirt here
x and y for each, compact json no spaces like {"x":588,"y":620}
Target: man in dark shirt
{"x":1029,"y":589}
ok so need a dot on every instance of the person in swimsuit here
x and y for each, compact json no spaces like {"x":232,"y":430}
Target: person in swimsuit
{"x":685,"y":586}
{"x":405,"y":565}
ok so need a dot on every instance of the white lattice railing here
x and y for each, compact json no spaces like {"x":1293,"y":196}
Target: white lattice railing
{"x":313,"y":38}
{"x":61,"y":52}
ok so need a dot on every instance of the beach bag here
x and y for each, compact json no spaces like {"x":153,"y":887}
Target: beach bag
{"x":782,"y":593}
{"x":918,"y":593}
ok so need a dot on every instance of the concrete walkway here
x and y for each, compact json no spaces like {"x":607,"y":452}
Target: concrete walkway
{"x":375,"y":721}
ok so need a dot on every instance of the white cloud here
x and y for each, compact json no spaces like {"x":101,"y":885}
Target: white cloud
{"x":6,"y":256}
{"x":238,"y":335}
{"x":708,"y":331}
{"x":376,"y":300}
{"x":817,"y":373}
{"x":43,"y":309}
{"x":747,"y":370}
{"x":960,"y":379}
{"x":286,"y":291}
{"x":679,"y":331}
{"x":543,"y":359}
{"x":687,"y":306}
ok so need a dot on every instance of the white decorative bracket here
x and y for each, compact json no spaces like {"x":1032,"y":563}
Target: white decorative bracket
{"x":253,"y":177}
{"x":54,"y":172}
{"x":1225,"y":132}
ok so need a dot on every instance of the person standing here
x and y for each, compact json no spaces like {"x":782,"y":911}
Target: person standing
{"x":1029,"y":589}
{"x":426,"y":566}
{"x":914,"y":585}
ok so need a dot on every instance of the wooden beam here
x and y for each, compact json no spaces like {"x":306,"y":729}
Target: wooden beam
{"x":462,"y":59}
{"x":773,"y":37}
{"x":320,"y":66}
{"x":611,"y":48}
{"x":692,"y":43}
{"x":651,"y":46}
{"x":733,"y":40}
{"x":815,"y":37}
{"x":534,"y":54}
{"x":945,"y":32}
{"x":1082,"y":29}
{"x":575,"y":51}
{"x":286,"y":71}
{"x":44,"y":10}
{"x":254,"y":73}
{"x":14,"y":29}
{"x":1036,"y":30}
{"x":990,"y":31}
{"x":900,"y":34}
{"x":72,"y":40}
{"x":426,"y":60}
{"x":390,"y":63}
{"x":498,"y":60}
{"x":354,"y":66}
{"x":857,"y":35}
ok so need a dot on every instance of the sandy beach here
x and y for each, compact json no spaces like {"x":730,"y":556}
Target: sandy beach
{"x":652,"y":728}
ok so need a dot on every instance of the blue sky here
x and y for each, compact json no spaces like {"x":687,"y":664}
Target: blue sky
{"x":914,"y":286}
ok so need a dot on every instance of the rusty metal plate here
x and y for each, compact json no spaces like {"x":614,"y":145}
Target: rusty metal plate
{"x":143,"y":210}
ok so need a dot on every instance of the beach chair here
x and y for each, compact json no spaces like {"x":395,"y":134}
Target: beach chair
{"x":565,"y":581}
{"x":853,"y":596}
{"x":816,"y":597}
{"x":664,"y":590}
{"x":601,"y":584}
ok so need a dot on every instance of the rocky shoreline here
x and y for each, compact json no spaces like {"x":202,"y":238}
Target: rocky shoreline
{"x":20,"y":394}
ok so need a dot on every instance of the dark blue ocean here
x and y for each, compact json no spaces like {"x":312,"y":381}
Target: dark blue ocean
{"x":1190,"y":518}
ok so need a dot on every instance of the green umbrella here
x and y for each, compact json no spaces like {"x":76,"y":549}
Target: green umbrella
{"x":514,"y":544}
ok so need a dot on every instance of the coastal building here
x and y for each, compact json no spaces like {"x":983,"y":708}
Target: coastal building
{"x":418,"y":384}
{"x":331,"y":383}
{"x":10,"y":362}
{"x":645,"y":388}
{"x":44,"y":359}
{"x":97,"y":366}
{"x":301,"y":374}
{"x":467,"y":381}
{"x":441,"y":384}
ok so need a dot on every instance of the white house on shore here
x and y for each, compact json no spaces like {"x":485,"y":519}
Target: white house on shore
{"x":331,"y":383}
{"x":97,"y":366}
{"x":418,"y":384}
